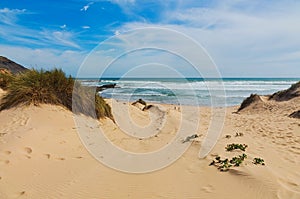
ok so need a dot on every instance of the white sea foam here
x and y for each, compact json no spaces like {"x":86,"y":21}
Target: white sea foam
{"x":174,"y":90}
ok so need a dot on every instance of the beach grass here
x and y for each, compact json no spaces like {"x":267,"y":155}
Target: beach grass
{"x":5,"y":78}
{"x":51,"y":87}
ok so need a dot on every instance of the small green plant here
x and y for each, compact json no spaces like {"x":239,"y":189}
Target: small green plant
{"x":231,"y":147}
{"x":258,"y":161}
{"x":225,"y":165}
{"x":237,"y":161}
{"x":222,"y":165}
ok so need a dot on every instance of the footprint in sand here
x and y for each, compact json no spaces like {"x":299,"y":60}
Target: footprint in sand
{"x":2,"y":134}
{"x":24,"y":121}
{"x":208,"y":189}
{"x":228,"y":136}
{"x":7,"y":152}
{"x":22,"y":193}
{"x":62,"y":142}
{"x":4,"y":161}
{"x":79,"y":157}
{"x":292,"y":184}
{"x":60,"y":158}
{"x":28,"y":150}
{"x":47,"y":155}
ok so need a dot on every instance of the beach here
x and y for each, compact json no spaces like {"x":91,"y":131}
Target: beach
{"x":42,"y":156}
{"x":127,"y":99}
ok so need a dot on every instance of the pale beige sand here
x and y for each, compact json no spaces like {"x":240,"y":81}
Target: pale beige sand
{"x":41,"y":156}
{"x":2,"y":92}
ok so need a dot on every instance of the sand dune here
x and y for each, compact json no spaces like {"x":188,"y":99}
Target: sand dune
{"x":42,"y":156}
{"x":2,"y":92}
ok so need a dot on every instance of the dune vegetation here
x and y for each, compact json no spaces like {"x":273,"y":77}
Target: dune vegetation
{"x":5,"y":78}
{"x":51,"y":87}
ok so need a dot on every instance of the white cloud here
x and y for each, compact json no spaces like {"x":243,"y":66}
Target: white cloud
{"x":142,"y":47}
{"x":122,"y":2}
{"x":86,"y":7}
{"x":63,"y":26}
{"x":13,"y":32}
{"x":248,"y":38}
{"x":129,"y":7}
{"x":38,"y":58}
{"x":19,"y":34}
{"x":7,"y":10}
{"x":243,"y":37}
{"x":117,"y":32}
{"x":9,"y":16}
{"x":61,"y":38}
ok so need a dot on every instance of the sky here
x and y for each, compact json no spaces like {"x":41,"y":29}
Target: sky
{"x":257,"y":38}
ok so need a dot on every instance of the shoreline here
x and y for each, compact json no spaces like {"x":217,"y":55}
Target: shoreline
{"x":169,"y":104}
{"x":195,"y":93}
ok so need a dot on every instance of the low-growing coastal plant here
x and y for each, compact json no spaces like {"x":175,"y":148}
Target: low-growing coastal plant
{"x":53,"y":87}
{"x":224,"y":165}
{"x":231,"y":147}
{"x":237,"y":161}
{"x":259,"y":161}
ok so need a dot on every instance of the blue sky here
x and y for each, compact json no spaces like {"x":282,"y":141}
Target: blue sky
{"x":256,"y":38}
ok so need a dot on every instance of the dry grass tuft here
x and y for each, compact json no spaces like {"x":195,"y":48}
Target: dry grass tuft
{"x":51,"y":87}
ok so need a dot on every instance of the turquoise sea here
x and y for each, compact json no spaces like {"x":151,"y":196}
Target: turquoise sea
{"x":191,"y":91}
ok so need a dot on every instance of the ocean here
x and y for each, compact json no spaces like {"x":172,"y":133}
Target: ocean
{"x":191,"y":91}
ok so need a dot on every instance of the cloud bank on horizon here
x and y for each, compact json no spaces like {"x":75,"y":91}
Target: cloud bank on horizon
{"x":258,"y":38}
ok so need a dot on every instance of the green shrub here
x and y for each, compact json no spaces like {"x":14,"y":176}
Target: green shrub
{"x":258,"y":161}
{"x":225,"y":165}
{"x":222,"y":165}
{"x":237,"y":161}
{"x":53,"y":87}
{"x":231,"y":147}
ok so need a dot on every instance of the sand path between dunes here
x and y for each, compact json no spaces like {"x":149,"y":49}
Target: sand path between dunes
{"x":41,"y":156}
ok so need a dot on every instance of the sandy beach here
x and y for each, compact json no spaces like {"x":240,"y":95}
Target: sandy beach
{"x":42,"y":156}
{"x":153,"y":99}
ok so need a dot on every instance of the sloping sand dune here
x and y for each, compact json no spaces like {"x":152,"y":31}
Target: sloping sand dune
{"x":1,"y":94}
{"x":41,"y":155}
